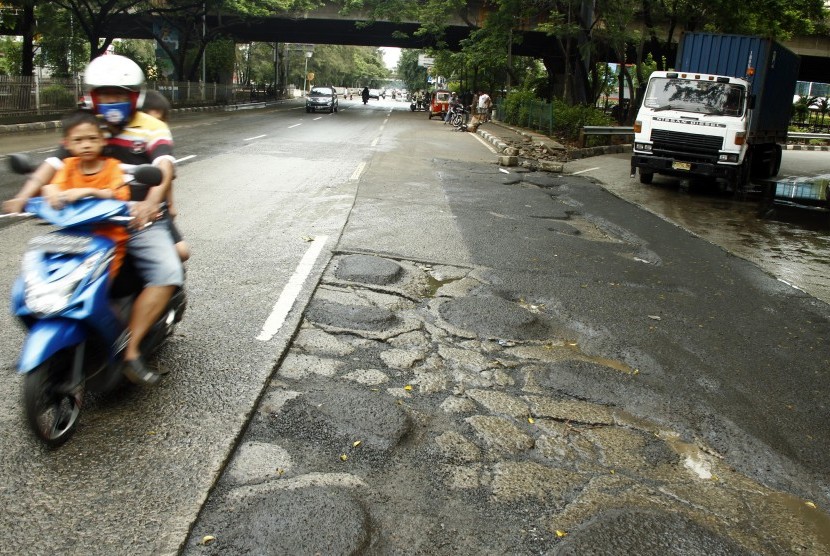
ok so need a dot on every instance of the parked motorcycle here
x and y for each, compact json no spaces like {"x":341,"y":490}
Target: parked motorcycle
{"x":74,"y":313}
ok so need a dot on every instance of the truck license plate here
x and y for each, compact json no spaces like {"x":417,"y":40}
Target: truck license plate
{"x":681,"y":165}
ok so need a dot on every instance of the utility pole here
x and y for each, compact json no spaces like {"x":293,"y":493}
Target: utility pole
{"x":305,"y":77}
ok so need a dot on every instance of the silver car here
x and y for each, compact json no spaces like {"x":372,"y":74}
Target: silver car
{"x":321,"y":98}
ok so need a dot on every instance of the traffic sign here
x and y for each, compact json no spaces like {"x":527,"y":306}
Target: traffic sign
{"x":425,"y":61}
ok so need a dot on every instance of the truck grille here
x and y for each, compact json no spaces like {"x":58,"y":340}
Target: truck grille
{"x":685,"y":142}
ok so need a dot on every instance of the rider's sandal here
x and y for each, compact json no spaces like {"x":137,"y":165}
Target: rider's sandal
{"x":136,"y":372}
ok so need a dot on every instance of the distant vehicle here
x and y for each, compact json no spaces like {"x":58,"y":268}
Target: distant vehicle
{"x":341,"y":91}
{"x":321,"y":98}
{"x":439,"y":103}
{"x":375,"y":94}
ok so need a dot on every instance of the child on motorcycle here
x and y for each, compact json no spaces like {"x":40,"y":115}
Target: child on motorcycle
{"x":86,"y":173}
{"x":156,"y":105}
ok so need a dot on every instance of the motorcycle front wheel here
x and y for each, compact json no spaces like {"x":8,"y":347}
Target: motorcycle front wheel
{"x":52,"y":406}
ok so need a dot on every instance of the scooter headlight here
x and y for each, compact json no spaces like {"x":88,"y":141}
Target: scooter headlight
{"x":46,"y":297}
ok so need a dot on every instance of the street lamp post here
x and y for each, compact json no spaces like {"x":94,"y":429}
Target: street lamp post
{"x":305,"y":77}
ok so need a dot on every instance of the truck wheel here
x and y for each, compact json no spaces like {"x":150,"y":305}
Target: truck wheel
{"x":646,"y":177}
{"x":777,"y":166}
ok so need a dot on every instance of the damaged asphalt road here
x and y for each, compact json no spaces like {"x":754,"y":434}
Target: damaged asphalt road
{"x":583,"y":377}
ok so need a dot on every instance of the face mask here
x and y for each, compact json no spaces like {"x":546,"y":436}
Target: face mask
{"x":116,"y":113}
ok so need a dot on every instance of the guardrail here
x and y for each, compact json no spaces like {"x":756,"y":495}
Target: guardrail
{"x":608,"y":131}
{"x":799,"y":135}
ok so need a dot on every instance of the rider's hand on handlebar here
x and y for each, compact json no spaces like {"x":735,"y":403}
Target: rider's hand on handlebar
{"x":13,"y":206}
{"x":143,"y":213}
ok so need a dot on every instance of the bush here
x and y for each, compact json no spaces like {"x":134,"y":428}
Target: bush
{"x":58,"y":96}
{"x":523,"y":106}
{"x":568,"y":120}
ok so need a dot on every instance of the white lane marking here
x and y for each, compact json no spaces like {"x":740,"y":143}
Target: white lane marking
{"x":295,"y":125}
{"x":375,"y":142}
{"x":318,"y":118}
{"x":291,"y":290}
{"x":485,"y":143}
{"x":188,"y":157}
{"x":46,"y":151}
{"x":502,"y":170}
{"x":358,"y":171}
{"x":585,"y":170}
{"x":257,"y":137}
{"x":790,"y":285}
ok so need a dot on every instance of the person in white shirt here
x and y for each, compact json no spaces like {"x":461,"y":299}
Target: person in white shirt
{"x":484,"y":104}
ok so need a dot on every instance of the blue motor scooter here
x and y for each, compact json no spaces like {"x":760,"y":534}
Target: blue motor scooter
{"x":75,"y":314}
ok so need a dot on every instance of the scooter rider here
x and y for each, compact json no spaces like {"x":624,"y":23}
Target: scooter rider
{"x":116,"y":86}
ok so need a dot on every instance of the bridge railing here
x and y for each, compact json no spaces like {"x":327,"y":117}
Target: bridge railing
{"x":34,"y":97}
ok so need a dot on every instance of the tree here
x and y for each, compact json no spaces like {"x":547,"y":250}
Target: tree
{"x":413,"y":76}
{"x":95,"y":18}
{"x":63,"y":46}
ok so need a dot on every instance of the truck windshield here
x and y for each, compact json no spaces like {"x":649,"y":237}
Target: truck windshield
{"x":690,"y":95}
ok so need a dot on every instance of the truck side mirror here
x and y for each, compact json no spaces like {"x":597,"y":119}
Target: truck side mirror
{"x":750,"y":102}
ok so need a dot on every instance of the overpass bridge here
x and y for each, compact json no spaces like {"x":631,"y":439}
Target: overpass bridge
{"x":327,"y":25}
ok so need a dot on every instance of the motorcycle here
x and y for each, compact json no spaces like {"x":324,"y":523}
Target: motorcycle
{"x":74,"y":313}
{"x":458,"y":116}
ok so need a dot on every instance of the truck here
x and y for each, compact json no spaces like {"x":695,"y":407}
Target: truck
{"x":722,"y":114}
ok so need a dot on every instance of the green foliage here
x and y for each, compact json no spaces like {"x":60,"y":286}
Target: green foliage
{"x":64,"y":48}
{"x":58,"y":97}
{"x":142,"y":52}
{"x":569,"y":120}
{"x":801,"y":108}
{"x":413,"y":76}
{"x":9,"y":56}
{"x":517,"y":106}
{"x":220,"y":55}
{"x":522,"y":107}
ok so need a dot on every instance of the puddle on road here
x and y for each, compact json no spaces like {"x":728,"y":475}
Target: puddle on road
{"x":615,"y":364}
{"x":807,"y":513}
{"x":434,"y":284}
{"x":793,"y":245}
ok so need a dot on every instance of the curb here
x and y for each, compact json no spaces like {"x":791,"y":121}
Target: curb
{"x":492,"y":139}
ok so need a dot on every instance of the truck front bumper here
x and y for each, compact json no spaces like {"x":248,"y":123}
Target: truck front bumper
{"x":649,"y":164}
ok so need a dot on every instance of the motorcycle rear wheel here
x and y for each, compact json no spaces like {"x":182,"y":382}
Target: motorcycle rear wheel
{"x":456,"y":120}
{"x":52,"y":411}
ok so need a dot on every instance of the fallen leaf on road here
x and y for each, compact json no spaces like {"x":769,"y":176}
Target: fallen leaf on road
{"x":810,"y":504}
{"x":207,"y":539}
{"x":561,"y":534}
{"x":307,"y":238}
{"x":356,"y":443}
{"x":408,"y":387}
{"x":654,"y":317}
{"x":343,"y":457}
{"x":531,"y":420}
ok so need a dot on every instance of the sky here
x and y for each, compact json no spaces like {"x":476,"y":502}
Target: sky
{"x":390,"y":56}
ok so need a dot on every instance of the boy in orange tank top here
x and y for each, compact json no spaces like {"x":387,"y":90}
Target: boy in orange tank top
{"x":88,"y":174}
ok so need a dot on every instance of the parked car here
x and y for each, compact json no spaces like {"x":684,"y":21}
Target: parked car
{"x":321,"y":98}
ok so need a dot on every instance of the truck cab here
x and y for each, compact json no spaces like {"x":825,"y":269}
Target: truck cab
{"x":723,"y":113}
{"x":692,"y":124}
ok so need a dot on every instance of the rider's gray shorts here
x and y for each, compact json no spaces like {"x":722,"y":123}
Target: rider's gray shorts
{"x":155,"y":257}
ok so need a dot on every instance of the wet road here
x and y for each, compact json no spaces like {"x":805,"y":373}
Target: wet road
{"x":792,"y":244}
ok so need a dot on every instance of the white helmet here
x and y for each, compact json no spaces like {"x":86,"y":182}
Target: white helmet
{"x":115,"y":72}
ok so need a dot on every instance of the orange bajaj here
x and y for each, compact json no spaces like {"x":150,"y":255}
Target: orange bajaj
{"x":439,"y":104}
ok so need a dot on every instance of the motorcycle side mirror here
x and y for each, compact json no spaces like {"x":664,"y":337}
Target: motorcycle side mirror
{"x":21,"y":164}
{"x":148,"y":174}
